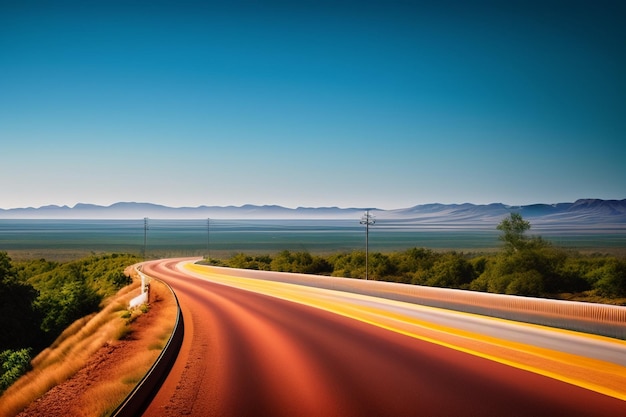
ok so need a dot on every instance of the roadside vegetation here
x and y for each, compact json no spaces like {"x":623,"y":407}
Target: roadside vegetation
{"x":41,"y":301}
{"x":105,"y":354}
{"x":54,"y":311}
{"x":526,"y":265}
{"x":66,"y":355}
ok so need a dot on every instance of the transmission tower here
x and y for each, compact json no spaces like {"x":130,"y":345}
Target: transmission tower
{"x":367,"y":220}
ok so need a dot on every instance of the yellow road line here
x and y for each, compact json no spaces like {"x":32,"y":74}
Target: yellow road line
{"x":596,"y":375}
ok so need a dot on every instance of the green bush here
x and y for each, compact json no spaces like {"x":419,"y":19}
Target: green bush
{"x":610,"y":278}
{"x":349,"y":265}
{"x":18,"y":317}
{"x":300,"y":262}
{"x":244,"y":261}
{"x":71,"y":302}
{"x":528,"y":283}
{"x":451,"y":270}
{"x":15,"y":363}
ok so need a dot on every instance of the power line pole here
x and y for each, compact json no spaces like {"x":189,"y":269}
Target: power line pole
{"x":208,"y":239}
{"x":367,"y":220}
{"x":145,"y":236}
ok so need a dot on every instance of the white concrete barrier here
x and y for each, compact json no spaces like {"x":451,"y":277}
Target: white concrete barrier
{"x":139,"y":300}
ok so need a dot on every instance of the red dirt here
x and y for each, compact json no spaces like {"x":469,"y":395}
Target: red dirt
{"x":71,"y":397}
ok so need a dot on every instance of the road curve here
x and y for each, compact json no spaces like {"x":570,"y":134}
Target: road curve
{"x":250,"y":354}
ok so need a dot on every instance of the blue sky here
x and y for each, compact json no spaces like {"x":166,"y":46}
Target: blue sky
{"x":349,"y":104}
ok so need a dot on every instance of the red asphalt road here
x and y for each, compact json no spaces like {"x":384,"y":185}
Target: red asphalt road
{"x":247,"y":354}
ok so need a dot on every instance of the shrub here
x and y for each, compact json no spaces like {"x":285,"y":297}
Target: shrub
{"x":529,"y":283}
{"x":243,"y":261}
{"x":452,"y":271}
{"x":610,"y":279}
{"x":14,"y":363}
{"x":19,"y":320}
{"x":71,"y":302}
{"x":349,"y":265}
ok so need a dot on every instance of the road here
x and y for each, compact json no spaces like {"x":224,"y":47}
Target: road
{"x":259,"y":348}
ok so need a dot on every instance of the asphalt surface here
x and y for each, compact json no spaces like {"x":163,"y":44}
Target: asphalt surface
{"x":251,"y":354}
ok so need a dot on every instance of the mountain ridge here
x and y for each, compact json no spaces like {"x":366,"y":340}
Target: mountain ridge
{"x":590,"y":212}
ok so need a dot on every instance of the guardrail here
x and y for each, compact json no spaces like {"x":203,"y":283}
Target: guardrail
{"x":601,"y":319}
{"x":139,"y":398}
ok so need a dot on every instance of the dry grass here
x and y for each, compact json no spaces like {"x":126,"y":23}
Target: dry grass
{"x":105,"y":398}
{"x":130,"y":372}
{"x":591,"y":297}
{"x":67,"y":354}
{"x":73,"y":349}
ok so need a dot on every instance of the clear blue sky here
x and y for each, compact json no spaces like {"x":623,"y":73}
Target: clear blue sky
{"x":349,"y":104}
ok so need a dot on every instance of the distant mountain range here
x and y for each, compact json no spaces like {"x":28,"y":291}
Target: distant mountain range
{"x":595,"y":213}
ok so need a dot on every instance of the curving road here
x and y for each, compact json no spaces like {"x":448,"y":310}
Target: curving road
{"x":246,"y":353}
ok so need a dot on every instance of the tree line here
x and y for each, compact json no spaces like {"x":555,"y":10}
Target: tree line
{"x":39,"y":299}
{"x":526,"y":265}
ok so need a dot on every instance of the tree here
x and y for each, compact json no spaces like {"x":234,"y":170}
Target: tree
{"x":300,"y":262}
{"x":70,"y":302}
{"x":349,"y":265}
{"x":451,"y":270}
{"x":610,"y":279}
{"x":18,"y":317}
{"x":381,"y":267}
{"x":528,"y":283}
{"x":513,"y":229}
{"x":6,"y":268}
{"x":413,"y":265}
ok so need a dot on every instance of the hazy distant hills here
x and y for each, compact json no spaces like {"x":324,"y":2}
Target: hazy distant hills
{"x":604,"y":214}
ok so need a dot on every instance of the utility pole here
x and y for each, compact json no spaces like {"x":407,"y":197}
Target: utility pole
{"x":208,"y":239}
{"x":145,"y":237}
{"x":367,"y":220}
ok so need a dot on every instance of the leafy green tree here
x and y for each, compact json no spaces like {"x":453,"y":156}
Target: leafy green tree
{"x":529,"y":283}
{"x":300,"y":262}
{"x":381,"y":267}
{"x":571,"y":272}
{"x":505,"y":269}
{"x":610,"y":278}
{"x":479,"y":264}
{"x":242,"y":261}
{"x":71,"y":302}
{"x":6,"y":268}
{"x":513,"y":229}
{"x":451,"y":270}
{"x":413,"y":265}
{"x":535,"y":270}
{"x":18,"y":317}
{"x":549,"y":262}
{"x":282,"y":262}
{"x":528,"y":266}
{"x":320,"y":266}
{"x":349,"y":265}
{"x":28,"y":269}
